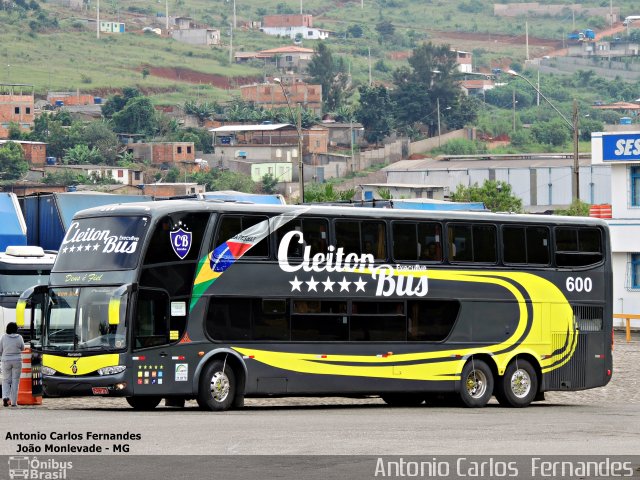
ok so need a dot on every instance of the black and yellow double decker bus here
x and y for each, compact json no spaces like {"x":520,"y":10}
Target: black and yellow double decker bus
{"x":218,"y":302}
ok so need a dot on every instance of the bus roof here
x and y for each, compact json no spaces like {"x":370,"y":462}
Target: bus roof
{"x":165,"y":207}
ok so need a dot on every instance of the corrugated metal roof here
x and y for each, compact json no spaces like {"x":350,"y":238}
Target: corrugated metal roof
{"x":251,"y":128}
{"x":484,"y":163}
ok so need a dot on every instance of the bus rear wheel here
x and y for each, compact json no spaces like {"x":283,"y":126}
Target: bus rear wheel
{"x":217,"y":387}
{"x":477,"y":384}
{"x":144,"y":403}
{"x":518,"y":386}
{"x":402,"y":399}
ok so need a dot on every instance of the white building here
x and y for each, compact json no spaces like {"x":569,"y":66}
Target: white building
{"x":542,"y":181}
{"x":306,"y":33}
{"x":622,"y":152}
{"x":197,"y":36}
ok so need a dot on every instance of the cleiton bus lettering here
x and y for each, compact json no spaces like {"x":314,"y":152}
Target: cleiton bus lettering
{"x":333,"y":261}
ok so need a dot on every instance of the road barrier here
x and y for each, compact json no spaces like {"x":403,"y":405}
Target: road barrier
{"x":30,"y":389}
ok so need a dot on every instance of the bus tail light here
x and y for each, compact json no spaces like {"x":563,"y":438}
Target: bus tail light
{"x":141,"y":358}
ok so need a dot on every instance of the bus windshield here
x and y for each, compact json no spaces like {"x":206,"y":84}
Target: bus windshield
{"x":14,"y":282}
{"x":103,"y":244}
{"x":77,"y":319}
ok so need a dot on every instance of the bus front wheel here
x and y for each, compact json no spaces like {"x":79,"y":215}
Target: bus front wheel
{"x":477,"y":384}
{"x":217,"y":387}
{"x":519,"y":385}
{"x":144,"y":403}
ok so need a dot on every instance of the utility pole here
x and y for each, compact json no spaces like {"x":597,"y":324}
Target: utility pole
{"x":526,"y":29}
{"x":98,"y":21}
{"x":576,"y":161}
{"x":538,"y":91}
{"x":166,"y":15}
{"x":231,"y":47}
{"x":514,"y":108}
{"x":369,"y":50}
{"x":300,"y":157}
{"x":573,"y":125}
{"x":351,"y":135}
{"x":438,"y":108}
{"x":235,"y":23}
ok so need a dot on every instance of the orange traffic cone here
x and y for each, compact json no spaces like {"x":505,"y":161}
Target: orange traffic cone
{"x":27,"y":379}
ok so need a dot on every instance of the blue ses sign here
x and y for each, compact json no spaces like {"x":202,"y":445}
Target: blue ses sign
{"x":622,"y":147}
{"x":181,"y":242}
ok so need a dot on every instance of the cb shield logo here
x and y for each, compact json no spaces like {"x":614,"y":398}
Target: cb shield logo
{"x":181,"y":242}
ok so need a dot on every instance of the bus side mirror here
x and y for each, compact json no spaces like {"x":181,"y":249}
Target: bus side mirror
{"x":26,"y":300}
{"x":116,"y":301}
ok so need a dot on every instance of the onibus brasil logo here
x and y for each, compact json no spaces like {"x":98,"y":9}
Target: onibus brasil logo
{"x":33,"y":468}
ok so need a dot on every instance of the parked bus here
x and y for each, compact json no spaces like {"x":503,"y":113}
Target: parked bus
{"x":218,"y":302}
{"x":21,"y":267}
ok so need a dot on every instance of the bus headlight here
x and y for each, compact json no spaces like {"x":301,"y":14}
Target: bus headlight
{"x":47,"y":370}
{"x":111,"y":370}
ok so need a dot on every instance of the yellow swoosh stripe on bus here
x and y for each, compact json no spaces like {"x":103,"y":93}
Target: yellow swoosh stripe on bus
{"x":541,"y":294}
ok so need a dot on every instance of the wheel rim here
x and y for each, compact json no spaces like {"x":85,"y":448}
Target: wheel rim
{"x":219,"y":386}
{"x":476,"y":383}
{"x":520,"y":383}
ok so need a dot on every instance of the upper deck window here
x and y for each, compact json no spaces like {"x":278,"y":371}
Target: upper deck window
{"x":417,"y":241}
{"x":232,"y":225}
{"x":577,"y":247}
{"x":472,"y":243}
{"x":525,"y":245}
{"x":362,"y":237}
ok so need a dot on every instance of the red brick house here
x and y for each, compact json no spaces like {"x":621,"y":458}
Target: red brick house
{"x":16,"y":106}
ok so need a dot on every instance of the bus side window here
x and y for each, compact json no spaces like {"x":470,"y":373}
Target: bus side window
{"x":362,"y":237}
{"x":231,"y":225}
{"x":578,"y":247}
{"x":151,"y":324}
{"x":431,"y":320}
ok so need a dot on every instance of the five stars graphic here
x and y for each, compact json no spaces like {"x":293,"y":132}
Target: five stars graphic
{"x":312,"y":285}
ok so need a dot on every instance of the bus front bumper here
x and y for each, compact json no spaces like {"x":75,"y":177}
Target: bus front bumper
{"x":98,"y":385}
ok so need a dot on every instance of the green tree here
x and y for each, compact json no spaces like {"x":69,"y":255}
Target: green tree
{"x":137,"y":116}
{"x":375,"y":112}
{"x":81,"y":154}
{"x":116,"y":103}
{"x":496,"y":196}
{"x":553,"y":132}
{"x":14,"y":131}
{"x":233,"y":181}
{"x":578,"y":208}
{"x":99,"y":135}
{"x":12,"y":163}
{"x":203,"y":111}
{"x":427,"y":81}
{"x":329,"y":73}
{"x":269,"y":184}
{"x":324,"y":192}
{"x":173,"y":174}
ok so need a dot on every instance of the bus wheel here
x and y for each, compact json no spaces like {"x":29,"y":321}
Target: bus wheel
{"x":217,"y":387}
{"x":144,"y":403}
{"x":519,"y":385}
{"x":477,"y":384}
{"x":402,"y":399}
